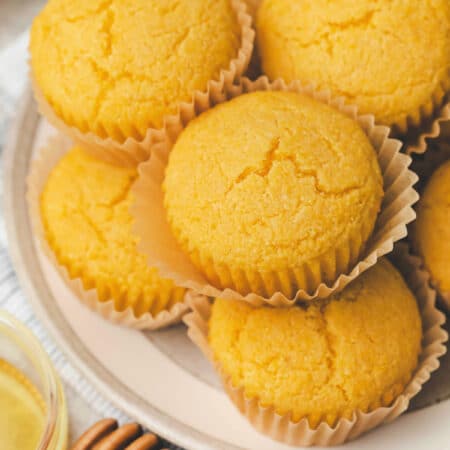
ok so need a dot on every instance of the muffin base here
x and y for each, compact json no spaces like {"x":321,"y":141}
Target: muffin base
{"x":390,"y":406}
{"x":324,"y":269}
{"x":428,"y":112}
{"x":40,"y":169}
{"x":163,"y":251}
{"x":133,"y":150}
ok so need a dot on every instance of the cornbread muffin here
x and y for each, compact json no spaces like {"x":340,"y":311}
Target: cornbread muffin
{"x":432,"y":230}
{"x":85,"y":215}
{"x":391,"y":58}
{"x":117,"y":68}
{"x":323,"y":361}
{"x":272,"y":192}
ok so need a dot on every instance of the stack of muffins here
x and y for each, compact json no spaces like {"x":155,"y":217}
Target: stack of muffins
{"x":266,"y":206}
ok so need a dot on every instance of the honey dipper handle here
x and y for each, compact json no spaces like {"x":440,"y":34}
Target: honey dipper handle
{"x":107,"y":435}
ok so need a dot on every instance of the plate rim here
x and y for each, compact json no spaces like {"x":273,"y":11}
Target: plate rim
{"x":23,"y":253}
{"x":24,"y":126}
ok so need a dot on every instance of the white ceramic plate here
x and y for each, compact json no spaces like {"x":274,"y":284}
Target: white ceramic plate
{"x":160,"y":378}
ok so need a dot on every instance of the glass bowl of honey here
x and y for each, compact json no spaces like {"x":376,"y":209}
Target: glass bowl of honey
{"x":33,"y":411}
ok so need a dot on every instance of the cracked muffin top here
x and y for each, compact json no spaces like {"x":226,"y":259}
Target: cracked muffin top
{"x":271,"y":180}
{"x":431,"y":229}
{"x":357,"y":350}
{"x":118,"y":67}
{"x":85,"y":215}
{"x":389,"y":57}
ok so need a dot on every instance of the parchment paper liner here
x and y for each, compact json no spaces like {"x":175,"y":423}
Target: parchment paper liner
{"x":281,"y":428}
{"x":254,"y":68}
{"x":40,"y":169}
{"x":158,"y":243}
{"x":425,"y":123}
{"x":132,"y":151}
{"x":424,"y":165}
{"x":430,"y":129}
{"x":252,"y":7}
{"x":443,"y":296}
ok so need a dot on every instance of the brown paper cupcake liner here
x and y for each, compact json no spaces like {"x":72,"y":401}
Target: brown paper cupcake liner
{"x":280,"y":427}
{"x":425,"y":165}
{"x":159,"y":244}
{"x":40,"y":169}
{"x":405,"y":250}
{"x":445,"y":299}
{"x":442,"y":296}
{"x":132,"y":150}
{"x":252,"y":7}
{"x":430,"y":129}
{"x":254,"y":68}
{"x":427,"y":115}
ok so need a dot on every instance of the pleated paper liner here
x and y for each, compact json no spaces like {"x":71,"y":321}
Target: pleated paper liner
{"x":40,"y":169}
{"x":252,"y":7}
{"x":133,"y":150}
{"x":158,"y":243}
{"x":432,"y":128}
{"x":425,"y":165}
{"x":281,"y":428}
{"x":425,"y":123}
{"x":254,"y":68}
{"x":444,"y":297}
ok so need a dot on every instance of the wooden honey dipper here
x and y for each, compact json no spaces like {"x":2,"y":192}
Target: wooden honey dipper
{"x":107,"y":435}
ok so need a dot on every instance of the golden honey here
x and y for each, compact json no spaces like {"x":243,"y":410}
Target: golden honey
{"x":22,"y":410}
